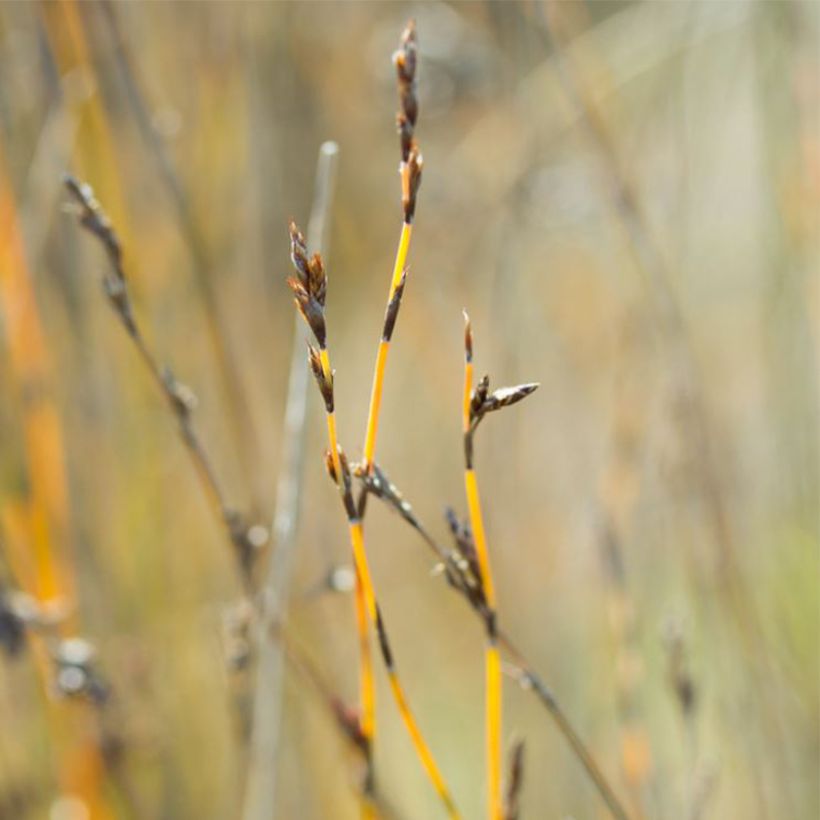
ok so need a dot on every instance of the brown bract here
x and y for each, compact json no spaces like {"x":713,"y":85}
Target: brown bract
{"x":324,"y":380}
{"x":309,"y":286}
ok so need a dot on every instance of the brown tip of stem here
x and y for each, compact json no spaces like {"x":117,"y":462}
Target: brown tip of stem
{"x":468,"y":337}
{"x":512,"y":806}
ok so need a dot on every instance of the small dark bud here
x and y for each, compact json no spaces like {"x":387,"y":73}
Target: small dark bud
{"x":94,"y":219}
{"x":411,"y":173}
{"x":405,"y":61}
{"x":317,"y":280}
{"x":478,"y":399}
{"x":515,"y":781}
{"x":384,"y":644}
{"x":468,"y":337}
{"x":311,"y":310}
{"x":405,"y":129}
{"x":331,"y":467}
{"x":392,"y":312}
{"x":346,"y":487}
{"x":325,"y":382}
{"x":298,"y":253}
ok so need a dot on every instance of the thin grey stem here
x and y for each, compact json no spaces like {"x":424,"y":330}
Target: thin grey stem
{"x":204,"y":274}
{"x":266,"y":721}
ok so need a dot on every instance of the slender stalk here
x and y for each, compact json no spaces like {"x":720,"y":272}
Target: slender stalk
{"x":364,"y":595}
{"x":240,"y":418}
{"x":529,"y":679}
{"x":458,"y":578}
{"x":310,"y":287}
{"x":405,"y":60}
{"x":180,"y":400}
{"x":412,"y":727}
{"x":492,"y":658}
{"x":266,"y":722}
{"x":396,"y":282}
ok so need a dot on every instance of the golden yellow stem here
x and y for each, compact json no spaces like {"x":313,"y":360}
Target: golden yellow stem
{"x":401,"y":257}
{"x":424,"y":753}
{"x":479,"y":536}
{"x":384,"y":346}
{"x":367,"y":683}
{"x":375,"y":403}
{"x":360,"y":557}
{"x":365,"y":602}
{"x":493,"y":684}
{"x":492,"y":657}
{"x":468,"y":387}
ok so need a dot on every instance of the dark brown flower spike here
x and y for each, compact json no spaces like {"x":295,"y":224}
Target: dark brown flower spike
{"x":309,"y":286}
{"x":405,"y":60}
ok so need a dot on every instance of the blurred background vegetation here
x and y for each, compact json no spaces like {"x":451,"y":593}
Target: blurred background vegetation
{"x":625,"y":197}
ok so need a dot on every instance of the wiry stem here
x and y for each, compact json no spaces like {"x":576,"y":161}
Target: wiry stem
{"x":410,"y":170}
{"x":181,"y":401}
{"x":459,"y":577}
{"x":310,"y":289}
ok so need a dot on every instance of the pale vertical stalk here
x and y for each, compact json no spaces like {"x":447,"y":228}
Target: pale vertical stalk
{"x":266,"y":723}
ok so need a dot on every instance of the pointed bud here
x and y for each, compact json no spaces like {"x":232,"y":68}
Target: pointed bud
{"x":468,"y":337}
{"x":298,"y":253}
{"x":323,"y":380}
{"x":506,"y":396}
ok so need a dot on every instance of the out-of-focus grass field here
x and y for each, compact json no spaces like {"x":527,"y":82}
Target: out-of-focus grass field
{"x":623,"y":195}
